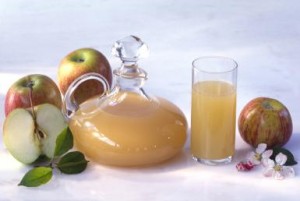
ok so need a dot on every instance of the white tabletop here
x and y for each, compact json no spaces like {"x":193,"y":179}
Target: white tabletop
{"x":262,"y":36}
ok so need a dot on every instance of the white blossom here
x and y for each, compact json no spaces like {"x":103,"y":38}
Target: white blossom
{"x":260,"y":155}
{"x":277,"y":169}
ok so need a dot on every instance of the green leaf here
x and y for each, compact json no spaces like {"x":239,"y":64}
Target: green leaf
{"x":64,"y":142}
{"x":36,"y":177}
{"x":290,"y":158}
{"x":72,"y":163}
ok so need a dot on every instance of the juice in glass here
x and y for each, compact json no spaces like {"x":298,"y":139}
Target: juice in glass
{"x":213,"y":119}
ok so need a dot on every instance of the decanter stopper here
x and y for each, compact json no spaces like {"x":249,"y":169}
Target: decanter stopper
{"x":130,"y":49}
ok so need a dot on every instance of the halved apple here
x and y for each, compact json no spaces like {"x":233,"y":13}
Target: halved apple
{"x":28,"y":136}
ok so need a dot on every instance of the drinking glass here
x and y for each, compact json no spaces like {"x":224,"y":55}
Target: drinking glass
{"x":213,"y":109}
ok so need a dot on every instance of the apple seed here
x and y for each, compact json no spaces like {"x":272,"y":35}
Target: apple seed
{"x":40,"y":134}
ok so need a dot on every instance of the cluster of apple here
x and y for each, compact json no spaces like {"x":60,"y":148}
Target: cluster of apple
{"x":33,"y":104}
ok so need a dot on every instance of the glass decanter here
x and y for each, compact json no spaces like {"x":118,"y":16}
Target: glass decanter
{"x":125,"y":126}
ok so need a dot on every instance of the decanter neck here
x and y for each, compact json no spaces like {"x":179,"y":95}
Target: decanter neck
{"x":130,"y":76}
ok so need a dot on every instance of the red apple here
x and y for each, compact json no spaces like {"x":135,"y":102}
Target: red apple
{"x":265,"y":120}
{"x":80,"y":62}
{"x":36,"y":88}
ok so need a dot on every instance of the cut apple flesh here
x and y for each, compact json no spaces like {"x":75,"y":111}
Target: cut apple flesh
{"x":26,"y":139}
{"x":19,"y":138}
{"x":51,"y":122}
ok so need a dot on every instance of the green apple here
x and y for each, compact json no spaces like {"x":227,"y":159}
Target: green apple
{"x":29,"y":135}
{"x":79,"y":62}
{"x":32,"y":90}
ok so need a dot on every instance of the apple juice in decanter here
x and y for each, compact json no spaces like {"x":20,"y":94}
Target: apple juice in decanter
{"x":126,"y":126}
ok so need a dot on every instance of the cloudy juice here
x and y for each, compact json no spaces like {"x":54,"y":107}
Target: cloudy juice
{"x":130,"y":132}
{"x":213,"y":119}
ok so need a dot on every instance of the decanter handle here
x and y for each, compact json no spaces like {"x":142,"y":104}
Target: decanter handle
{"x":70,"y":106}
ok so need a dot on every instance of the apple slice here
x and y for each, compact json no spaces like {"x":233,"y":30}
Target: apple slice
{"x":19,"y":139}
{"x":51,"y":122}
{"x":28,"y":136}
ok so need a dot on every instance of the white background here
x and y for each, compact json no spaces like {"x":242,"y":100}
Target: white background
{"x":262,"y":36}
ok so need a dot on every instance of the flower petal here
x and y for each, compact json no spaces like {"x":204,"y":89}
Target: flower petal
{"x":267,"y":154}
{"x":280,"y":159}
{"x":255,"y":161}
{"x":268,"y":172}
{"x":288,"y":171}
{"x":252,"y":158}
{"x":278,"y":175}
{"x":269,"y":163}
{"x":264,"y":162}
{"x":261,"y":148}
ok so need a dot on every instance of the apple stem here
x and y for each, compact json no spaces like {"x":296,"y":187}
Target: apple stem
{"x":267,"y":105}
{"x":51,"y":165}
{"x":80,"y":60}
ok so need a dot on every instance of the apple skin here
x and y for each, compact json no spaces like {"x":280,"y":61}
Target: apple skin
{"x":79,"y":62}
{"x":265,"y":120}
{"x":44,"y":90}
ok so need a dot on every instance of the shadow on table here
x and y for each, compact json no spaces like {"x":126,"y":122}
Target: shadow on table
{"x":181,"y":161}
